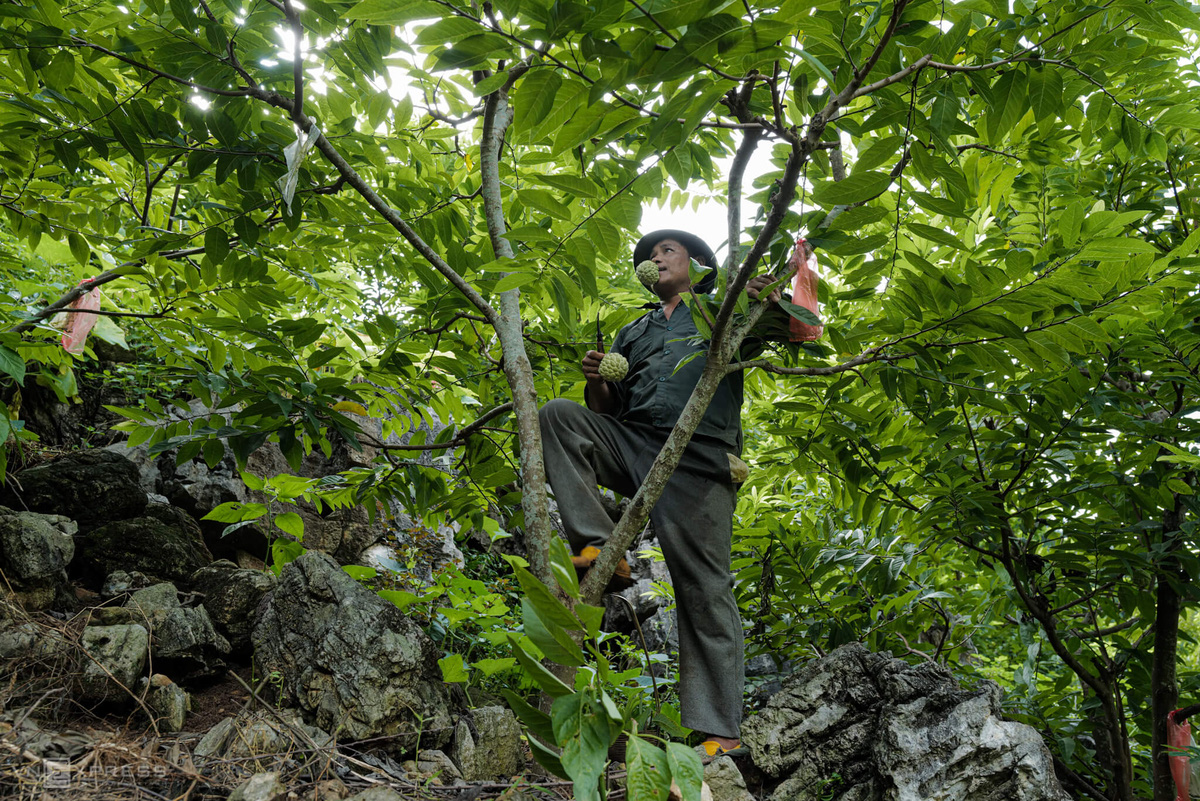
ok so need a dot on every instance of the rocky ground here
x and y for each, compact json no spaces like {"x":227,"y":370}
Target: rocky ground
{"x":145,"y":655}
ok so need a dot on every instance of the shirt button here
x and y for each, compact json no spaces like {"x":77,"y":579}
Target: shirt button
{"x":662,"y":378}
{"x":669,"y":328}
{"x":667,"y":352}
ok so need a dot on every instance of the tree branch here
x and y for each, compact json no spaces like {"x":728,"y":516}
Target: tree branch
{"x":497,"y":116}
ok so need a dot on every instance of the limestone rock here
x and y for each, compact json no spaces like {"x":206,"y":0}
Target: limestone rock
{"x":231,"y":596}
{"x":350,"y":659}
{"x":250,"y":735}
{"x":35,"y":550}
{"x":860,"y":725}
{"x":113,"y":660}
{"x":120,"y":582}
{"x":487,"y":744}
{"x":180,"y":637}
{"x":91,"y":487}
{"x":167,"y":700}
{"x":259,"y":787}
{"x":31,"y":641}
{"x":725,"y":782}
{"x":144,"y":544}
{"x":435,"y":767}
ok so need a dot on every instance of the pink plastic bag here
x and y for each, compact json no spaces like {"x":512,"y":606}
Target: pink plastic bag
{"x":804,"y":292}
{"x":1179,"y":738}
{"x":79,"y":325}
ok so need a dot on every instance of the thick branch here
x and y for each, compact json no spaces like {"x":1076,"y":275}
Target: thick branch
{"x":737,"y":173}
{"x":497,"y":116}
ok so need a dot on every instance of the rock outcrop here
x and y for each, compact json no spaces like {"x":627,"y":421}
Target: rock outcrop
{"x":35,"y":550}
{"x":90,"y":487}
{"x":862,"y":726}
{"x":350,"y":660}
{"x":161,"y":551}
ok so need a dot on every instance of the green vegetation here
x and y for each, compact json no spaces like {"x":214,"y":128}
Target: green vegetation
{"x":988,"y":460}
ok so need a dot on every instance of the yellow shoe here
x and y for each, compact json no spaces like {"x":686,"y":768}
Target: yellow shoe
{"x":711,"y":749}
{"x":622,"y":577}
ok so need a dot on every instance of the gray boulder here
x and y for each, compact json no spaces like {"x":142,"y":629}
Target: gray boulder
{"x":231,"y":596}
{"x":91,"y":487}
{"x":725,"y":781}
{"x":162,"y":551}
{"x":113,"y":658}
{"x":259,"y":737}
{"x":167,"y":700}
{"x":181,"y":638}
{"x":864,"y":726}
{"x":487,"y":744}
{"x":434,"y":767}
{"x":351,"y":660}
{"x":35,"y":550}
{"x":259,"y":787}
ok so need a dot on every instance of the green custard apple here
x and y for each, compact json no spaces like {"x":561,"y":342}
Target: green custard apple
{"x":613,"y":367}
{"x":647,"y":273}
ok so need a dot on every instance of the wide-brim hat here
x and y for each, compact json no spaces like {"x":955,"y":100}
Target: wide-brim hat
{"x":696,"y":248}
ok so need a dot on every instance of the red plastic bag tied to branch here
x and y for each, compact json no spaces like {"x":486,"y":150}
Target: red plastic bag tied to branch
{"x":1179,"y":739}
{"x":79,"y":325}
{"x":804,"y":292}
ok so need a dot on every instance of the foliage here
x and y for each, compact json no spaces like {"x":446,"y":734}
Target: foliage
{"x":585,"y":720}
{"x":995,"y":437}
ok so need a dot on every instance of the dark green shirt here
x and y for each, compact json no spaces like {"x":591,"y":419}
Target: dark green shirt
{"x":654,"y":392}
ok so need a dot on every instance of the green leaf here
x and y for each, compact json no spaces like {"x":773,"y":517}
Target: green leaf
{"x":686,"y":769}
{"x":453,"y":669}
{"x":549,"y":683}
{"x":537,"y":721}
{"x":548,"y":759}
{"x":560,"y":565}
{"x":236,"y":511}
{"x":394,"y":12}
{"x":1009,"y":105}
{"x":1070,"y":222}
{"x":555,"y":642}
{"x":79,"y":248}
{"x":11,"y":364}
{"x":1118,"y":247}
{"x":816,"y":64}
{"x":514,"y":281}
{"x":216,"y":245}
{"x":936,"y":235}
{"x":649,"y":777}
{"x":549,"y":609}
{"x":855,"y":188}
{"x":534,"y":98}
{"x":1045,"y":91}
{"x":490,"y":667}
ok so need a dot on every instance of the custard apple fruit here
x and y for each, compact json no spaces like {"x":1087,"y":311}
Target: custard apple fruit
{"x":613,"y":367}
{"x":647,"y":273}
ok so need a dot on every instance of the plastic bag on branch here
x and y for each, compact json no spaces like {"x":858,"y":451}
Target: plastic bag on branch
{"x":804,"y":292}
{"x":1179,"y":740}
{"x":77,"y":325}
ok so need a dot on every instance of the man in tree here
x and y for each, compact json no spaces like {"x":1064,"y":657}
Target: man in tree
{"x":614,"y":441}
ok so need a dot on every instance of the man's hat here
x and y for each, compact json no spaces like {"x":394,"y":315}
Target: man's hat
{"x":696,"y":248}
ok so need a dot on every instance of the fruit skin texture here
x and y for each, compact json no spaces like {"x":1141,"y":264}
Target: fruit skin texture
{"x":613,"y":367}
{"x":647,"y":273}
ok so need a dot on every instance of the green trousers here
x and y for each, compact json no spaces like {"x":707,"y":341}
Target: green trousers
{"x":694,"y":523}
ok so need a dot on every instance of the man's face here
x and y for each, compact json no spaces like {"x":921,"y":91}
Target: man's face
{"x":672,"y":259}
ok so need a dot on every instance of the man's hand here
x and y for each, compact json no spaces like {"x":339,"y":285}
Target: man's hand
{"x":591,"y":366}
{"x":599,"y":394}
{"x":758,"y":283}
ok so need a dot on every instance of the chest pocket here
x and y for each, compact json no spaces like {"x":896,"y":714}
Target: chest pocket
{"x":634,"y":345}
